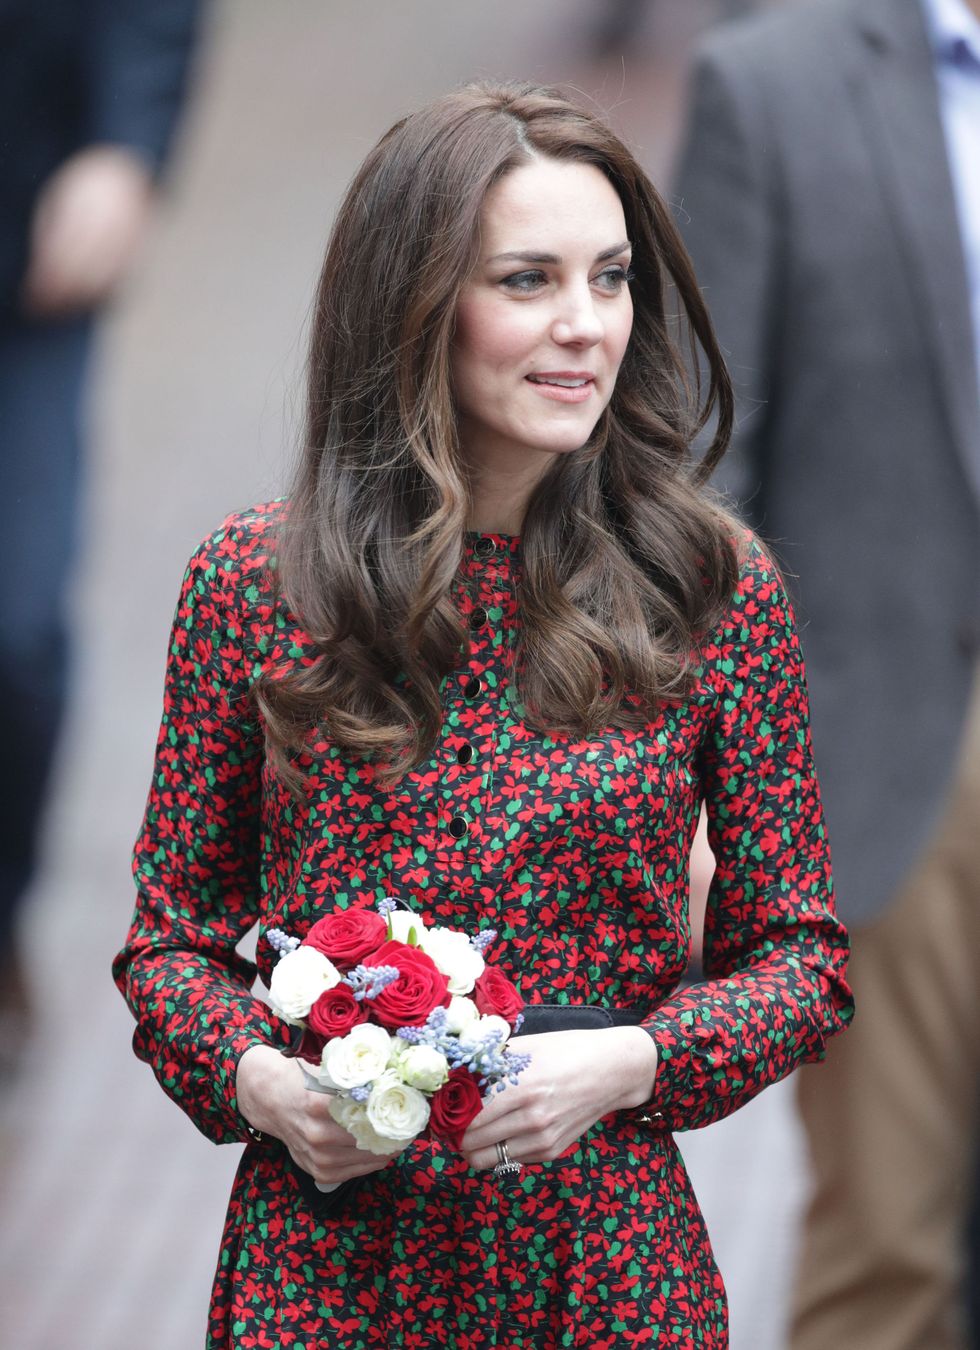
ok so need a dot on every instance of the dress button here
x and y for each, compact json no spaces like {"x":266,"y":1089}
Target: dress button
{"x":478,"y":617}
{"x":472,"y":687}
{"x":458,"y":826}
{"x":484,"y":547}
{"x":465,"y":753}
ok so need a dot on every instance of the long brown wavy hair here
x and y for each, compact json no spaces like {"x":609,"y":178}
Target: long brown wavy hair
{"x":626,"y":558}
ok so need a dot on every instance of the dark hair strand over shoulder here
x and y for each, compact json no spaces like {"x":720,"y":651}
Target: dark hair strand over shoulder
{"x":627,"y":560}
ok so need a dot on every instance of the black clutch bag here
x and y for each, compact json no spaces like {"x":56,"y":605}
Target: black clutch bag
{"x":324,"y":1204}
{"x":541,"y":1017}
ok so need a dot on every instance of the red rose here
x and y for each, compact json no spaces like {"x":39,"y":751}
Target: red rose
{"x":310,"y":1047}
{"x":456,"y":1103}
{"x":348,"y":936}
{"x":336,"y":1012}
{"x":420,"y":986}
{"x":495,"y":994}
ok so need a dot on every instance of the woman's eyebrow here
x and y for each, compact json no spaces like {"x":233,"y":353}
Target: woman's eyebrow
{"x":554,"y":258}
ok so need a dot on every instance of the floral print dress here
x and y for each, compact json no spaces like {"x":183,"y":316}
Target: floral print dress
{"x":576,"y":851}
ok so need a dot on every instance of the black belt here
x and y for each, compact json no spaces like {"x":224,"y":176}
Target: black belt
{"x":540,"y":1017}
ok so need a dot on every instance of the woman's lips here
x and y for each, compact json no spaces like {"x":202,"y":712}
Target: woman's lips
{"x":572,"y":389}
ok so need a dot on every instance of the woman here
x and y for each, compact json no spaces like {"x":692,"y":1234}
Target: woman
{"x":489,"y":659}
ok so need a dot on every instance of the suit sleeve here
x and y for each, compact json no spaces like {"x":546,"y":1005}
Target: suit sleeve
{"x":728,"y":212}
{"x":775,"y":952}
{"x":196,"y":860}
{"x":137,"y":58}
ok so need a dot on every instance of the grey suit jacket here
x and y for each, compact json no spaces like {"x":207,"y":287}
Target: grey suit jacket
{"x":814,"y":194}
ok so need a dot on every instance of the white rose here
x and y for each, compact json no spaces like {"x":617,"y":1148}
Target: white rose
{"x":347,"y":1112}
{"x":403,"y":921}
{"x":455,"y":956}
{"x":298,"y":980}
{"x":461,"y":1013}
{"x":477,"y":1032}
{"x":396,"y":1111}
{"x":423,"y":1067}
{"x":355,"y":1059}
{"x":352,"y":1116}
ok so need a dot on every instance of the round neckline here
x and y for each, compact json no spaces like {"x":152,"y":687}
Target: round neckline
{"x":487,"y":549}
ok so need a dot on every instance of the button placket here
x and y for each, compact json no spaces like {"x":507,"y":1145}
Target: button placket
{"x":466,"y":790}
{"x":462,"y":762}
{"x":469,"y":763}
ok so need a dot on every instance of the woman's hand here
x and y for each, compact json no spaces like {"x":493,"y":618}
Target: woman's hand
{"x":273,"y":1097}
{"x":574,"y":1079}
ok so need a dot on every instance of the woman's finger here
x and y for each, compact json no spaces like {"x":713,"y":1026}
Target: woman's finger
{"x":519,"y":1150}
{"x":335,"y":1174}
{"x":338,"y":1165}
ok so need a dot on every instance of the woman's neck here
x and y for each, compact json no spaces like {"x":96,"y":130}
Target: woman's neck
{"x":495,"y":508}
{"x":500,"y":493}
{"x":495,"y":522}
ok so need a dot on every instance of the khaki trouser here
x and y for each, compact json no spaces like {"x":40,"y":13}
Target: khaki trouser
{"x":892,"y":1113}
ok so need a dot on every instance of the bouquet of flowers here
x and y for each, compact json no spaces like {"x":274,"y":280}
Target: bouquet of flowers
{"x":405,"y":1025}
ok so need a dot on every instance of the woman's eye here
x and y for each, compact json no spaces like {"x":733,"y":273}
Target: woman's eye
{"x":524,"y":281}
{"x":613,"y":279}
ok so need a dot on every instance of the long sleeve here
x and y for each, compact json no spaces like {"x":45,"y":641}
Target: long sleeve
{"x":728,"y":213}
{"x":196,"y":860}
{"x":774,"y":950}
{"x":135,"y":59}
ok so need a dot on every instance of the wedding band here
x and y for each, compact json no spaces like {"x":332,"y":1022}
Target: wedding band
{"x":506,"y":1166}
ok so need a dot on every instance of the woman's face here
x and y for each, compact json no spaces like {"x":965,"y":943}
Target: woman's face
{"x":543,"y":321}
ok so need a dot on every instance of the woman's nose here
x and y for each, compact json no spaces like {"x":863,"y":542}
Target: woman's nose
{"x":577,"y":322}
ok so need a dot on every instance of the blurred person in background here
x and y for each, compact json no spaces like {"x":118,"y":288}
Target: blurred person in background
{"x":89,"y":95}
{"x":506,"y":645}
{"x":618,"y":24}
{"x":830,"y":196}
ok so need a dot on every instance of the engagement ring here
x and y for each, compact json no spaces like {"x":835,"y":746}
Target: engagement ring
{"x":506,"y":1166}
